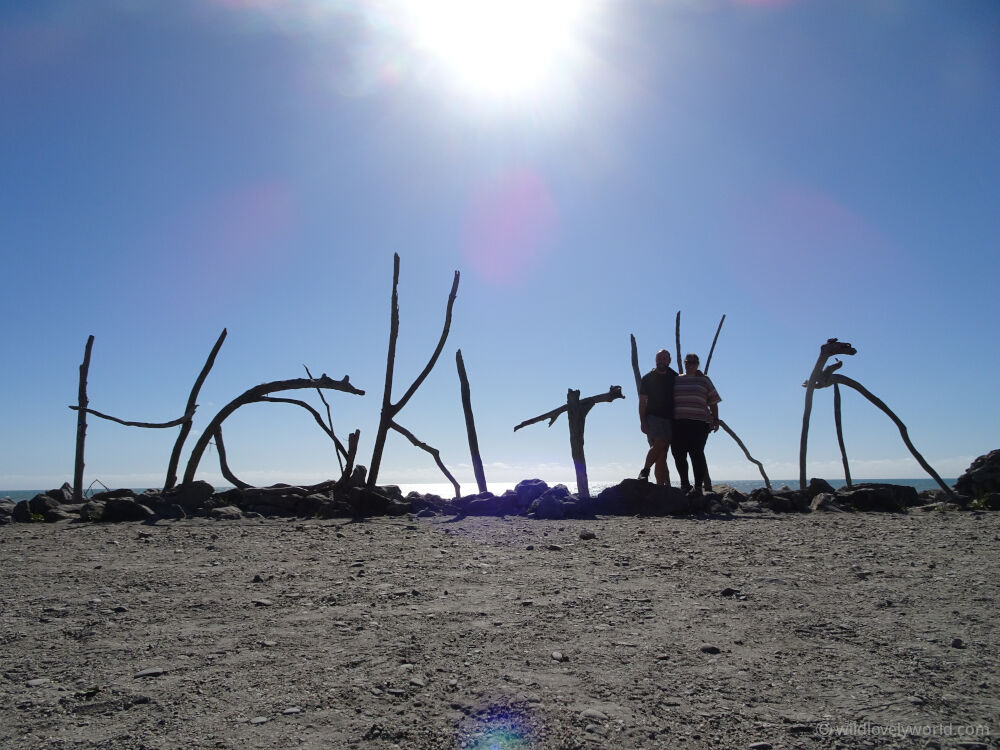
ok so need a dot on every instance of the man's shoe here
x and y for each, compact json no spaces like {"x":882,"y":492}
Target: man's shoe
{"x":685,"y":488}
{"x":644,"y":475}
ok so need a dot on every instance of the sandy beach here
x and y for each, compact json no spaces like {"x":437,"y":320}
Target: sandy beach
{"x":757,"y":631}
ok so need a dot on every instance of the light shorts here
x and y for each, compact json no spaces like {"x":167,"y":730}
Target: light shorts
{"x":659,"y":427}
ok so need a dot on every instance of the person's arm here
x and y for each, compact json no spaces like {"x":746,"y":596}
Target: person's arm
{"x":713,"y":409}
{"x":713,"y":405}
{"x":643,"y":402}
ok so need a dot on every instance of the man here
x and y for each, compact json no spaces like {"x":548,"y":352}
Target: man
{"x":656,"y":414}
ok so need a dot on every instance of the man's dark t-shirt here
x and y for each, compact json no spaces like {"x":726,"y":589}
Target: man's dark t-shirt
{"x":659,"y":390}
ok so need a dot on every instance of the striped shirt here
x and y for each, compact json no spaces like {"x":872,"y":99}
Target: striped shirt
{"x":693,"y":394}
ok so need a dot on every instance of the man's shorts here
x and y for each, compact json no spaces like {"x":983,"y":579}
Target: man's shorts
{"x":659,"y":427}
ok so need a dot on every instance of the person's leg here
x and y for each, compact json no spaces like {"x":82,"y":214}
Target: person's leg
{"x":661,"y":448}
{"x":678,"y":447}
{"x":699,"y":436}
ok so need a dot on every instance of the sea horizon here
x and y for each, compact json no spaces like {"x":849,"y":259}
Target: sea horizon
{"x":445,"y":489}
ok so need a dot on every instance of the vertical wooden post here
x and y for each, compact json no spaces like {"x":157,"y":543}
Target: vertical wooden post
{"x":677,"y":339}
{"x":840,"y":433}
{"x":577,"y":417}
{"x":470,"y":423}
{"x":81,"y":422}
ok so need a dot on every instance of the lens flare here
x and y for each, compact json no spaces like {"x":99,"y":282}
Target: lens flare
{"x":510,"y":226}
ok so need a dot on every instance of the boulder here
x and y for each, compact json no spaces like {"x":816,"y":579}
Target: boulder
{"x":109,"y":494}
{"x":548,"y":505}
{"x":335,"y":508}
{"x":92,"y":511}
{"x":225,"y":513}
{"x":637,"y":497}
{"x":818,"y":487}
{"x":875,"y":497}
{"x":367,"y":502}
{"x":62,"y":495}
{"x":190,"y":496}
{"x":982,"y":477}
{"x":826,"y":501}
{"x":6,"y":510}
{"x":21,"y":512}
{"x":39,"y":505}
{"x":529,"y":490}
{"x":788,"y":501}
{"x":488,"y":504}
{"x":119,"y":509}
{"x":60,"y":513}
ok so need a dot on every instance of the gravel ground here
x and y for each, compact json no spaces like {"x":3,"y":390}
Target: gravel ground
{"x":755,"y":631}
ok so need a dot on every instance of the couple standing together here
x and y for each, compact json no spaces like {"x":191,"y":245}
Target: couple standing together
{"x":676,"y":412}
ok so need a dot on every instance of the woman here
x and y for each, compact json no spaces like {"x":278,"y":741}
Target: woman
{"x":696,"y":413}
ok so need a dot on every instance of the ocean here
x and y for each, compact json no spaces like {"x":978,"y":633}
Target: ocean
{"x":445,"y":489}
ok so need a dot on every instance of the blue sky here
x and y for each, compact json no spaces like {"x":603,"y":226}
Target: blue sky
{"x":810,"y":169}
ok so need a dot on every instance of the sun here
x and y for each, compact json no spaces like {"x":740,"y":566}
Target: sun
{"x":502,"y":49}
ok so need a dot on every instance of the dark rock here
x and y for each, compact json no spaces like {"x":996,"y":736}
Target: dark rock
{"x":62,"y":495}
{"x":990,"y":501}
{"x":398,"y":508}
{"x":225,"y":513}
{"x":874,"y":497}
{"x":788,"y":501}
{"x":109,"y":494}
{"x":92,"y":511}
{"x":41,"y":504}
{"x":548,"y":505}
{"x":826,"y":501}
{"x":119,"y":509}
{"x":390,"y":491}
{"x":818,"y":487}
{"x":734,"y":498}
{"x":487,"y":504}
{"x":636,"y":497}
{"x":22,"y":513}
{"x":335,"y":509}
{"x":60,"y":513}
{"x":191,"y":496}
{"x":529,"y":490}
{"x":982,"y":477}
{"x":367,"y":502}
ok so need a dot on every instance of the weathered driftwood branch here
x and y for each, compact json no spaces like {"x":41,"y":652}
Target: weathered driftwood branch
{"x":830,"y":348}
{"x":635,"y":364}
{"x":152,"y":425}
{"x":577,"y":409}
{"x":257,"y":393}
{"x":677,"y":340}
{"x":711,"y":351}
{"x":81,"y":422}
{"x":329,"y":421}
{"x":389,"y":409}
{"x":220,"y":446}
{"x":315,"y":415}
{"x":840,"y":433}
{"x":470,"y":423}
{"x":843,"y":379}
{"x":433,"y":451}
{"x":751,"y":459}
{"x":175,"y":454}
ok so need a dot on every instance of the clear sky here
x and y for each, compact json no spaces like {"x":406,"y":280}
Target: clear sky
{"x":810,"y":169}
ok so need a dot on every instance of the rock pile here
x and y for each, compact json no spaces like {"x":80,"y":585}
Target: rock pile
{"x":531,"y":497}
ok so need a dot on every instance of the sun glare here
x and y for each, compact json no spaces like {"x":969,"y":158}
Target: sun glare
{"x":501,"y":49}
